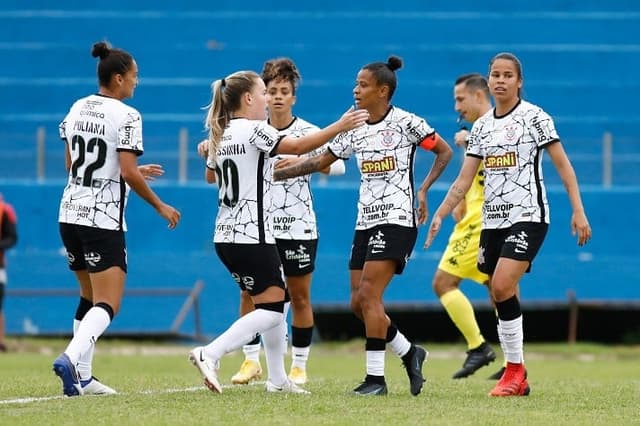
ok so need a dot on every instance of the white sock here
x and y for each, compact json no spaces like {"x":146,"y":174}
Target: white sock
{"x":94,"y":323}
{"x":242,"y":331}
{"x":400,"y":345}
{"x":275,"y":348}
{"x":375,"y":363}
{"x":501,"y":341}
{"x":252,"y":352}
{"x":299,"y":357}
{"x":84,"y":363}
{"x":511,"y":338}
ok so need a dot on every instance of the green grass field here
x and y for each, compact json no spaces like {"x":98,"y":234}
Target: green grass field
{"x":579,"y":384}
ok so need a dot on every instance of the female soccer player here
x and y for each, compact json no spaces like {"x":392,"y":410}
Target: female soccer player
{"x":386,"y":226}
{"x":510,"y":140}
{"x":294,"y":226}
{"x":103,"y":139}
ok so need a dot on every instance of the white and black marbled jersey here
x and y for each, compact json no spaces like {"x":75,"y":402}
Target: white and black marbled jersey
{"x":245,"y":178}
{"x":96,"y":128}
{"x":385,"y":153}
{"x":511,"y":148}
{"x":293,"y":217}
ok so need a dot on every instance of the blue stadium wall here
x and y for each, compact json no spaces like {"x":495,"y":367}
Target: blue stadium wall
{"x":580,"y":61}
{"x":605,"y":269}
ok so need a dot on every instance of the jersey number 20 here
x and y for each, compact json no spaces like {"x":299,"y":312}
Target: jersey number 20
{"x":229,"y":182}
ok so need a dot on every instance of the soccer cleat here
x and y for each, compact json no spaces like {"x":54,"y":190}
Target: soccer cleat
{"x":208,"y":368}
{"x":414,"y":369}
{"x":298,"y":375}
{"x":476,"y":359}
{"x":497,"y":375}
{"x":64,"y":368}
{"x":249,"y":370}
{"x":513,"y":382}
{"x":370,"y":388}
{"x":287,"y":387}
{"x":94,"y":387}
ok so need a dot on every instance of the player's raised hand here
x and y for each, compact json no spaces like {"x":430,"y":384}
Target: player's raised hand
{"x":353,"y":118}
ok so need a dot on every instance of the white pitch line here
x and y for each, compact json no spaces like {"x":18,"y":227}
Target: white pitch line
{"x":28,"y":400}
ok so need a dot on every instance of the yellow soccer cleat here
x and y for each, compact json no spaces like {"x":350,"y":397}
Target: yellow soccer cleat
{"x":249,"y":370}
{"x":298,"y":376}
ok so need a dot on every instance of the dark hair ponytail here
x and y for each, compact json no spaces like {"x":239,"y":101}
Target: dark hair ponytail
{"x":112,"y":61}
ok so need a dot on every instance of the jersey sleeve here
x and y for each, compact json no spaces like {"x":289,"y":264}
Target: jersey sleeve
{"x":62,"y":127}
{"x":542,"y":128}
{"x":474,"y":148}
{"x":419,"y":131}
{"x":130,"y":133}
{"x":341,"y":145}
{"x":62,"y":130}
{"x":264,"y":136}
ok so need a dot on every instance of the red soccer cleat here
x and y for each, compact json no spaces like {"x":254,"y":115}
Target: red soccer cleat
{"x":513,"y":382}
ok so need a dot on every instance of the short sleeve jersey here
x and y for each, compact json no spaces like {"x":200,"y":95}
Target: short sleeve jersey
{"x":385,"y":154}
{"x":511,"y":148}
{"x":96,"y":129}
{"x":293,"y":217}
{"x":244,"y":176}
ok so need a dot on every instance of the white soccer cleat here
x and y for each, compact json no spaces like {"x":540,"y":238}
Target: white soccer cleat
{"x":249,"y":370}
{"x":94,"y":387}
{"x":207,"y":367}
{"x":287,"y":387}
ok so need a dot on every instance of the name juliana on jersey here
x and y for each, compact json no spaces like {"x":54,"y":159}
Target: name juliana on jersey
{"x":89,"y":127}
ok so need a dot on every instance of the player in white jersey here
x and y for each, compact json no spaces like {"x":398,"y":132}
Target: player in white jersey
{"x":294,"y":226}
{"x":240,"y":144}
{"x":510,"y":140}
{"x":103,"y":139}
{"x":386,"y":223}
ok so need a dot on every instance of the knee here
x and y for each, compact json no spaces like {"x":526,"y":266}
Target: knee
{"x":443,"y":283}
{"x":355,"y":304}
{"x":366,"y":296}
{"x":501,"y":292}
{"x":299,"y":301}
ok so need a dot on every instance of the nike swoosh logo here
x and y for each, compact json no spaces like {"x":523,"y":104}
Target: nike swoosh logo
{"x":519,"y":251}
{"x":201,"y":357}
{"x":303,"y":265}
{"x":376,"y":251}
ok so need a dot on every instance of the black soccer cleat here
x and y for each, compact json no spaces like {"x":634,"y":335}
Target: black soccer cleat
{"x":476,"y":359}
{"x":497,"y":375}
{"x":413,"y":365}
{"x":370,"y":388}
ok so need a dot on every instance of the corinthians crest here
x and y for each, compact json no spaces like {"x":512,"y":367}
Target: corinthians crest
{"x":388,"y":137}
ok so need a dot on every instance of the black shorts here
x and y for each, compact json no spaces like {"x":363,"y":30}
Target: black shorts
{"x":93,"y":249}
{"x":383,"y":242}
{"x":298,"y":257}
{"x":519,"y":242}
{"x":254,"y":267}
